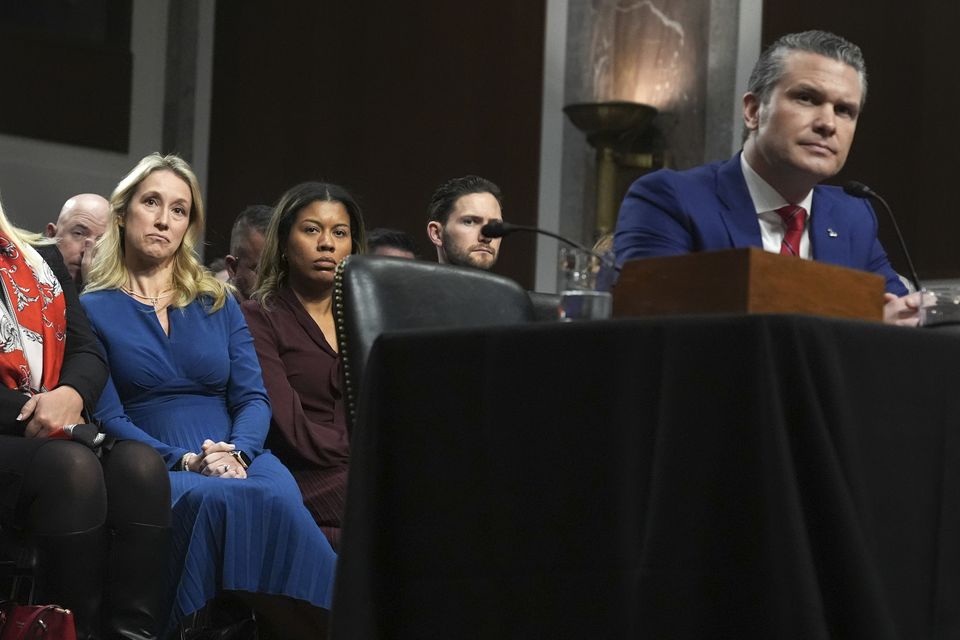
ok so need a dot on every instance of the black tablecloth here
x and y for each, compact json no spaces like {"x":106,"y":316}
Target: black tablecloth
{"x":726,"y":477}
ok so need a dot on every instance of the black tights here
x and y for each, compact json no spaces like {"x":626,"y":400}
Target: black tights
{"x":68,"y":490}
{"x":101,"y":530}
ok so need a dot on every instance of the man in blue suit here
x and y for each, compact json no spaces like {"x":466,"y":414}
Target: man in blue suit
{"x":800,"y":113}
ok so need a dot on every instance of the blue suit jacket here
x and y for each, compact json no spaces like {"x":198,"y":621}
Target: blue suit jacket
{"x":709,"y":208}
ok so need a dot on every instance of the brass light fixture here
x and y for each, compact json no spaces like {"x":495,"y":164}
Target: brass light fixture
{"x":612,"y":129}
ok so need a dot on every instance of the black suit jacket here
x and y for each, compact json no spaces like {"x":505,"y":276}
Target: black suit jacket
{"x":84,"y":367}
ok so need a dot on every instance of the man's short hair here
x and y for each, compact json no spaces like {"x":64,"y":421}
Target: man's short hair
{"x":256,"y":217}
{"x":769,"y":68}
{"x":395,"y":238}
{"x":444,"y":199}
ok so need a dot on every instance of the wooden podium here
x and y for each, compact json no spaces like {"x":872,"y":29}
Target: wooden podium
{"x":745,"y":281}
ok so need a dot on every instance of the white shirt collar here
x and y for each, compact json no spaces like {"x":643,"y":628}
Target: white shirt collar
{"x":765,"y":198}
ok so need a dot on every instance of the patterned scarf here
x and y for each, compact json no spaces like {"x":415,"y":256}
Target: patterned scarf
{"x":34,"y":315}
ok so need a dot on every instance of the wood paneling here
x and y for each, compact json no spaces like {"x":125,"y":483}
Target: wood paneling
{"x":387,"y":99}
{"x":67,"y":72}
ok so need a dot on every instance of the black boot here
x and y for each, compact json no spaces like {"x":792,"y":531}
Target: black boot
{"x":136,"y":594}
{"x":70,"y":574}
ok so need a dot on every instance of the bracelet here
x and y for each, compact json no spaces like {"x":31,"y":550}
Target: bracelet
{"x":182,"y":465}
{"x":242,"y":459}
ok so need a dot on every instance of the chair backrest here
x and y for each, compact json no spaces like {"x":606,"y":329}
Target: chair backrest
{"x":546,"y":306}
{"x":375,"y":294}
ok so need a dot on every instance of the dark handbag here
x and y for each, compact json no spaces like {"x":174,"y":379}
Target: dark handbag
{"x":87,"y":434}
{"x":36,"y":622}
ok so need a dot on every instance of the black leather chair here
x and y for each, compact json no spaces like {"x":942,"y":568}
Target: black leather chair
{"x":546,"y":306}
{"x":18,"y":562}
{"x":376,"y":294}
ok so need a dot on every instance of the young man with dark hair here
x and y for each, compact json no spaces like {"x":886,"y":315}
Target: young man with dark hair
{"x":458,"y":210}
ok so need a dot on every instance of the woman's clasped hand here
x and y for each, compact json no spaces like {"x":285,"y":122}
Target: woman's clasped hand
{"x":215,"y":459}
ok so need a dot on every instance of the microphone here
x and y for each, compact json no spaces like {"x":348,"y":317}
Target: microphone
{"x":497,"y":229}
{"x":86,"y":433}
{"x":860,"y":190}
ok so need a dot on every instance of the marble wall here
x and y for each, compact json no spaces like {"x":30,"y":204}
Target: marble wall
{"x":679,"y":56}
{"x":654,"y":53}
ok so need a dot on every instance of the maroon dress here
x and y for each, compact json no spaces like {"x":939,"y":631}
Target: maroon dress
{"x":308,"y":430}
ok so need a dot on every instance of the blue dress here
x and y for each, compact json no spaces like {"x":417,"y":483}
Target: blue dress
{"x":204,"y":382}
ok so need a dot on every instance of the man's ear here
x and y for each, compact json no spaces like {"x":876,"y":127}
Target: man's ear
{"x":231,"y":264}
{"x":751,"y":111}
{"x":435,"y":233}
{"x":51,"y":231}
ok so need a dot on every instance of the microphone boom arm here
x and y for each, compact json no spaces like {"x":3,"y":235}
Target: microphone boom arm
{"x":501,"y":230}
{"x":860,"y":190}
{"x":903,"y":245}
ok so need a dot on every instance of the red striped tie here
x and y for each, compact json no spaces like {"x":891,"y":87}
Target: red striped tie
{"x":794,"y":218}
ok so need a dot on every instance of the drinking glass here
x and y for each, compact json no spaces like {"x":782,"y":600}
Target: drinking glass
{"x":577,"y":279}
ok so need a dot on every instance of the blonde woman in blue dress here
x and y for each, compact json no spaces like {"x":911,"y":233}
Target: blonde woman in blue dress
{"x":185,"y":379}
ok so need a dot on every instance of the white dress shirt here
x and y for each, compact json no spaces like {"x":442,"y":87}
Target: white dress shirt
{"x":766,"y":201}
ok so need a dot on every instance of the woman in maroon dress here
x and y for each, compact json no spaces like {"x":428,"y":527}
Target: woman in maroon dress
{"x":314,"y":226}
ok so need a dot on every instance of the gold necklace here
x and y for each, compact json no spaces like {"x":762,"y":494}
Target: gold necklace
{"x":153,"y":300}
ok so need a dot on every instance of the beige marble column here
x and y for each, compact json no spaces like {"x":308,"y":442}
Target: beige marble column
{"x":679,"y":56}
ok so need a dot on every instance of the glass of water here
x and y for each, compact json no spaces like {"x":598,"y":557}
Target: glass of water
{"x":577,"y":281}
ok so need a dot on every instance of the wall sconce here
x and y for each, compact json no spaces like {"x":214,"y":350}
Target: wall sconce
{"x":614,"y":129}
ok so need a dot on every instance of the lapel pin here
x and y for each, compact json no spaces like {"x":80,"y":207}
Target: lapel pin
{"x":831,"y":233}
